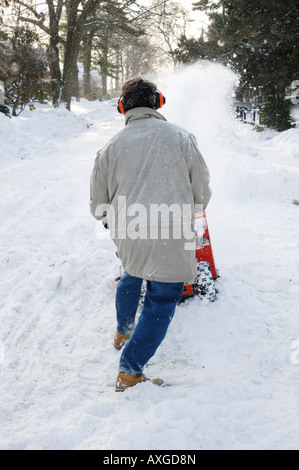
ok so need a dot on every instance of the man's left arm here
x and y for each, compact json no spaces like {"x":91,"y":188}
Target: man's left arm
{"x":199,"y":175}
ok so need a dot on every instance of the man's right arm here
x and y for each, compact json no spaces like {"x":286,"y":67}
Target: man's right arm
{"x":99,"y":198}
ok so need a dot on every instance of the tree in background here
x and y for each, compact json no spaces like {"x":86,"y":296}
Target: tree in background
{"x":110,"y":28}
{"x":140,"y":57}
{"x":118,"y":37}
{"x":22,"y":69}
{"x":168,"y":22}
{"x":46,"y":21}
{"x":138,"y":39}
{"x":55,"y":12}
{"x":259,"y":40}
{"x":276,"y":113}
{"x":190,"y":50}
{"x":67,"y":23}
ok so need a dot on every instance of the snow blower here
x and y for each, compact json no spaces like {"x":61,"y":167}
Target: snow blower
{"x":206,"y":269}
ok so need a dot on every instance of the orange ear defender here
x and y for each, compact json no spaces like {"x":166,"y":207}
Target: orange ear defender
{"x":160,"y":101}
{"x":120,"y":106}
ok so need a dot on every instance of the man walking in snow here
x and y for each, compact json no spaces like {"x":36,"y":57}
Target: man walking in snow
{"x":154,"y":169}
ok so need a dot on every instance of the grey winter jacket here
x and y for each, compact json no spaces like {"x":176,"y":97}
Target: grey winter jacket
{"x":146,"y":181}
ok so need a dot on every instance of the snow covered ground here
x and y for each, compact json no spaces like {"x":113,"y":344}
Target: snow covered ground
{"x":233,"y":365}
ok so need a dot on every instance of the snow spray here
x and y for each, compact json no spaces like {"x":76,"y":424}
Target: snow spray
{"x":200,"y":98}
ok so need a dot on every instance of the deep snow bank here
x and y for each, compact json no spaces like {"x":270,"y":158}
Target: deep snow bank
{"x":33,"y":132}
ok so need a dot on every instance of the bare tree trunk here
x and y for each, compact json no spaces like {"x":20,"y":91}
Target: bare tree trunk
{"x":86,"y":76}
{"x":53,"y":50}
{"x":87,"y":65}
{"x":104,"y":83}
{"x":117,"y":80}
{"x":75,"y":29}
{"x":70,"y":74}
{"x":70,"y":53}
{"x":104,"y":66}
{"x":53,"y":60}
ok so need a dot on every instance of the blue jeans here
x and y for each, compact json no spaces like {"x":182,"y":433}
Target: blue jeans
{"x":159,"y":306}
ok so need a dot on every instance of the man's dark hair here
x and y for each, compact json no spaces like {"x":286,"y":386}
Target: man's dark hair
{"x":138,"y":92}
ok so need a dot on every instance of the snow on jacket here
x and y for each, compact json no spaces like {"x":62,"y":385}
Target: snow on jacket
{"x":148,"y":166}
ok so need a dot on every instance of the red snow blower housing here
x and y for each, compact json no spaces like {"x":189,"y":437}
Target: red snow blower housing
{"x":206,"y":269}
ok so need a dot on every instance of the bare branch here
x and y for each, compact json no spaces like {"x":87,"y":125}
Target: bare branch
{"x":51,"y":7}
{"x":42,"y":26}
{"x":29,"y":8}
{"x":59,"y":9}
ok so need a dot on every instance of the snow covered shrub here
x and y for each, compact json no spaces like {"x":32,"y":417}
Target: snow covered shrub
{"x":23,"y":71}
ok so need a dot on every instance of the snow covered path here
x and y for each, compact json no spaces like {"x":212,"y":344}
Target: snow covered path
{"x":233,"y":365}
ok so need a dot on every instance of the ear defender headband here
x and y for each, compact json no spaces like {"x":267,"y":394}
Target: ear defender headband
{"x":160,"y":100}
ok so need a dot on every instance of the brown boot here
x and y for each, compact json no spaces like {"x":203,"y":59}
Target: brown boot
{"x":125,"y":380}
{"x":120,"y":340}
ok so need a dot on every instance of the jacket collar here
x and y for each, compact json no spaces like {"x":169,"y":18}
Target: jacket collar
{"x":142,"y":113}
